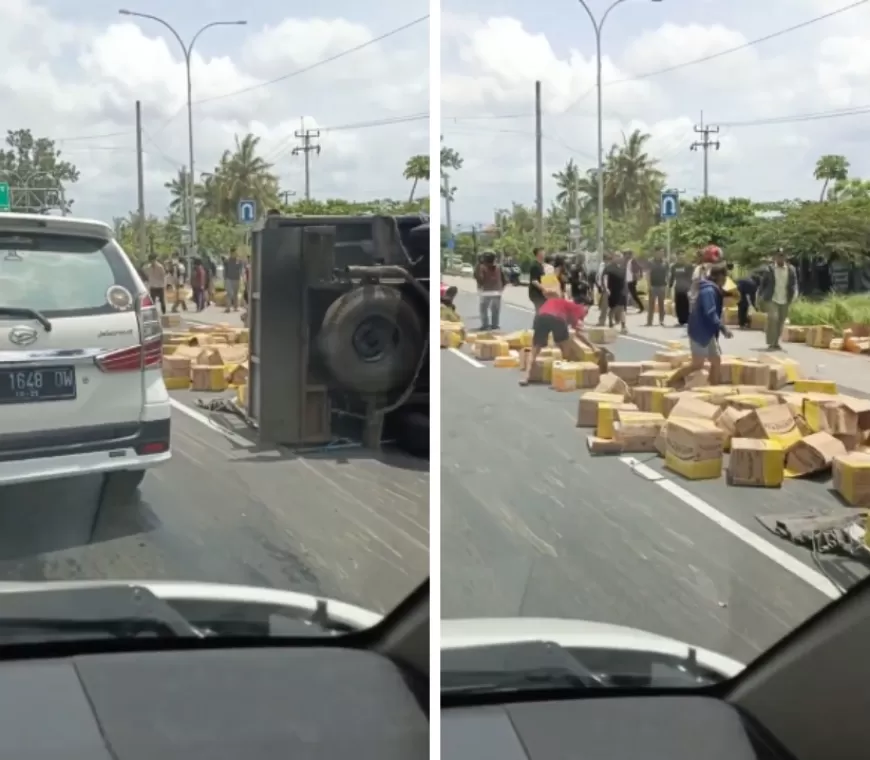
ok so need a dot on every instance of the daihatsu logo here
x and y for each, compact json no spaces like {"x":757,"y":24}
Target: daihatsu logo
{"x":23,"y":336}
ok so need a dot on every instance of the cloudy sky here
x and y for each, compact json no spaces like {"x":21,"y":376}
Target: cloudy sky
{"x":494,"y":51}
{"x":74,"y":71}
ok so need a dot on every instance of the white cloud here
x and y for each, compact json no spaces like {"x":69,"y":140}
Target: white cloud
{"x":77,"y":82}
{"x":490,"y":65}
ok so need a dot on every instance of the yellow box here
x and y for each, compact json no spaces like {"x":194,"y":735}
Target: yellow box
{"x":815,"y":386}
{"x":177,"y":383}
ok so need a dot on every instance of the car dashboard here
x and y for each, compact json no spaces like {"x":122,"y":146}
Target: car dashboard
{"x":218,"y":703}
{"x":606,"y":728}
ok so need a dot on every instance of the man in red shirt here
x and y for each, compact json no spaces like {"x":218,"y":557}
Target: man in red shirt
{"x":557,"y":316}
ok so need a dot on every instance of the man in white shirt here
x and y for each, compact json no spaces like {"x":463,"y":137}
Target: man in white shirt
{"x":156,"y":275}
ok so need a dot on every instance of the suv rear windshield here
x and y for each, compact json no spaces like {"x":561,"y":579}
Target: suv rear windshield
{"x":61,"y":275}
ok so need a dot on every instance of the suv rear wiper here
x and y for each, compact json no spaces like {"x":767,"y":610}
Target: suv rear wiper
{"x":488,"y":681}
{"x":23,"y":311}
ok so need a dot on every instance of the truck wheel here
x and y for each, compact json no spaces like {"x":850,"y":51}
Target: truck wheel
{"x":121,"y":487}
{"x":413,"y":433}
{"x":371,"y":340}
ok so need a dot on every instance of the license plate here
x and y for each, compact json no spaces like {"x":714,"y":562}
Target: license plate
{"x":33,"y":384}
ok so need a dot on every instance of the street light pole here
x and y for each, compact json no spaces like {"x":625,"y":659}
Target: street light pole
{"x":188,"y":50}
{"x":598,"y":26}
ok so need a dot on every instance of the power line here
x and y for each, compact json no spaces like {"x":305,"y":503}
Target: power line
{"x":797,"y":118}
{"x":721,"y":53}
{"x":303,"y":70}
{"x":282,"y":78}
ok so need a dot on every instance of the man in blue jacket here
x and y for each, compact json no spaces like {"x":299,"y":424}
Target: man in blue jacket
{"x":705,"y":322}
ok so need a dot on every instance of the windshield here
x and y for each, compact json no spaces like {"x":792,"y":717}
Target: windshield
{"x":244,"y":439}
{"x":659,"y":496}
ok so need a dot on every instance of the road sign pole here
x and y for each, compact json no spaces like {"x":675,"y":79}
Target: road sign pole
{"x":668,"y":249}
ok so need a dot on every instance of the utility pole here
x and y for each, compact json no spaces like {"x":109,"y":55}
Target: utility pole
{"x":286,"y":195}
{"x":140,"y":176}
{"x":705,"y":143}
{"x":539,"y":169}
{"x":447,"y":223}
{"x":307,"y":135}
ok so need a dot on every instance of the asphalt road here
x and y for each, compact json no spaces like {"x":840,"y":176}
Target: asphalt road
{"x":338,"y":523}
{"x":532,"y":525}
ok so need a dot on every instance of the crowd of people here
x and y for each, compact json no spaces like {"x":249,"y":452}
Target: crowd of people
{"x":170,"y":278}
{"x":562,"y":292}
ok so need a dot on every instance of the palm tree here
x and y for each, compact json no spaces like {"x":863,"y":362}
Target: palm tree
{"x":240,"y":174}
{"x":416,"y":169}
{"x":830,"y":168}
{"x":633,"y":180}
{"x":177,"y":188}
{"x":569,"y":181}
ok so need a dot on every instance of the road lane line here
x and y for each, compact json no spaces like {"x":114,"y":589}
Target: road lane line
{"x":785,"y":560}
{"x":466,"y":357}
{"x":210,"y":423}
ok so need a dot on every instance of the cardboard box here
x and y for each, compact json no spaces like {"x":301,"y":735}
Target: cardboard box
{"x":542,"y":370}
{"x":772,"y":423}
{"x":587,"y":407}
{"x":608,"y":415}
{"x":657,"y":378}
{"x":672,"y":358}
{"x":511,"y":361}
{"x":176,"y":366}
{"x":694,"y":448}
{"x":696,"y":408}
{"x":752,"y":373}
{"x":650,"y":398}
{"x":812,"y":454}
{"x":611,"y":383}
{"x":852,"y":478}
{"x":815,"y":386}
{"x":728,"y":422}
{"x":602,"y":446}
{"x":838,"y":415}
{"x":487,"y":350}
{"x":778,"y":378}
{"x":755,"y":462}
{"x":208,"y":357}
{"x":751,"y":400}
{"x":636,"y":432}
{"x":628,"y":371}
{"x":792,"y":368}
{"x":819,"y":336}
{"x":208,"y":377}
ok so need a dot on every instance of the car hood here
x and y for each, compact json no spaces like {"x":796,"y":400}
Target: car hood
{"x":577,"y":634}
{"x":350,"y":615}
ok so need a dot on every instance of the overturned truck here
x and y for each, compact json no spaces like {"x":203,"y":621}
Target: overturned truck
{"x":339,"y":330}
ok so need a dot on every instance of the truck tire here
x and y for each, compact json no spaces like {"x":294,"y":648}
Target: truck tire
{"x":371,"y":340}
{"x":121,"y":487}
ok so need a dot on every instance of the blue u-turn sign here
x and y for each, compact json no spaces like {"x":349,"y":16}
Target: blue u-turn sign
{"x":670,"y":204}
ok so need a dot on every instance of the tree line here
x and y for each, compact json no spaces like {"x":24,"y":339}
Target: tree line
{"x":43,"y":180}
{"x":834,"y":228}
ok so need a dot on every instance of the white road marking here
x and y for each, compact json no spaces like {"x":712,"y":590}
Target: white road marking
{"x":785,"y":560}
{"x":210,"y":423}
{"x":466,"y":357}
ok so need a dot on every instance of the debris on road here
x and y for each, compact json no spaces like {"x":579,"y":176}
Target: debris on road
{"x":209,"y":358}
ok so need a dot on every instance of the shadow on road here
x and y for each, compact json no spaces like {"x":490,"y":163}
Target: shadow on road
{"x":38,"y":518}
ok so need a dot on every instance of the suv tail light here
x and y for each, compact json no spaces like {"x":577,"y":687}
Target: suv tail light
{"x":148,"y":353}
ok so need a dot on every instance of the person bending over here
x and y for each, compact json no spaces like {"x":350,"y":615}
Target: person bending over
{"x":557,"y":316}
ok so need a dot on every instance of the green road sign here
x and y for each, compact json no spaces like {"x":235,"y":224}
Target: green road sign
{"x":5,"y":204}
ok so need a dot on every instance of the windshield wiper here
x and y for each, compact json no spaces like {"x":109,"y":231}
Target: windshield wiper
{"x":480,"y":681}
{"x":23,"y":311}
